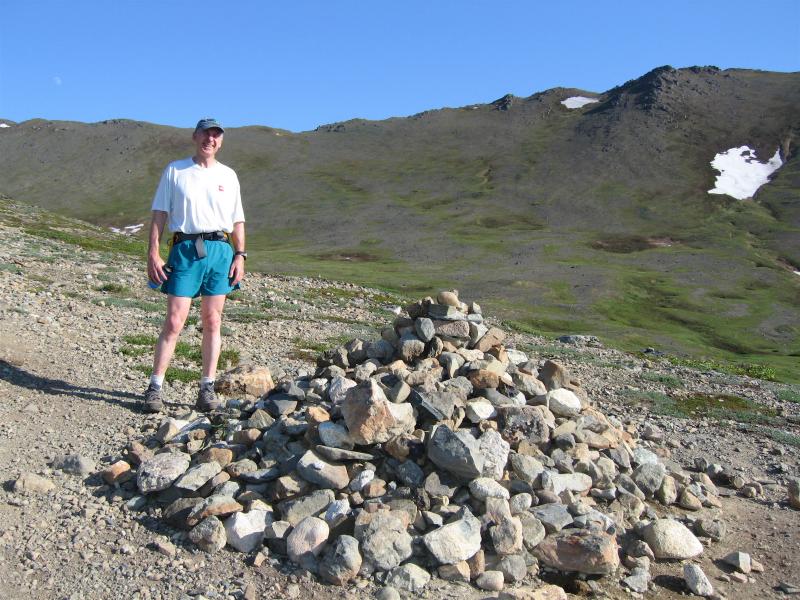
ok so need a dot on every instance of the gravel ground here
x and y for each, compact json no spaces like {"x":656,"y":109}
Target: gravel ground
{"x":70,"y":381}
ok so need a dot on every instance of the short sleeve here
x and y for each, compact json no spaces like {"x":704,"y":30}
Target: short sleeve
{"x":238,"y":211}
{"x":162,"y":198}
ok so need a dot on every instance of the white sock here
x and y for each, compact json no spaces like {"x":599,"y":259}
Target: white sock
{"x":157,"y":380}
{"x":206,"y":380}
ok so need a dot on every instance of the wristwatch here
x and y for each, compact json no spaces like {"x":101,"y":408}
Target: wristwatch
{"x":242,"y":254}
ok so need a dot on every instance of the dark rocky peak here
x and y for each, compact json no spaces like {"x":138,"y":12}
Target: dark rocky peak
{"x":504,"y":103}
{"x":653,"y":90}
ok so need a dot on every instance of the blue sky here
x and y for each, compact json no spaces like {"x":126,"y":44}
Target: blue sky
{"x":298,"y":65}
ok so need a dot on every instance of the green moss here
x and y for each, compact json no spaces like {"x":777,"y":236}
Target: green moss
{"x":89,"y":240}
{"x":10,"y":268}
{"x":140,"y":340}
{"x":174,"y":373}
{"x":788,"y":395}
{"x":134,"y":350}
{"x":113,"y":288}
{"x":130,"y":303}
{"x":246,"y":316}
{"x":714,"y":406}
{"x":667,"y":380}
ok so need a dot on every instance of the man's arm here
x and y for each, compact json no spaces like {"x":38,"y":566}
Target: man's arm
{"x":155,"y":264}
{"x":237,"y":266}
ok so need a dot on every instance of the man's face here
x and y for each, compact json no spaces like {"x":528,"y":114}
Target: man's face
{"x":207,"y":142}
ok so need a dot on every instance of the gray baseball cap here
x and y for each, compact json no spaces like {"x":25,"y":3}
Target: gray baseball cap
{"x":209,"y":123}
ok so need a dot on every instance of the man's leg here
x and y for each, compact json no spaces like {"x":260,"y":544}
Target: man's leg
{"x":211,"y":315}
{"x":177,"y":311}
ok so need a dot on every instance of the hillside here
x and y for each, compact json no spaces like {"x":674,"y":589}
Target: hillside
{"x":592,"y":220}
{"x":77,"y":324}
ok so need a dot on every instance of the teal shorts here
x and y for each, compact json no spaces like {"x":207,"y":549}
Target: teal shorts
{"x":190,"y":276}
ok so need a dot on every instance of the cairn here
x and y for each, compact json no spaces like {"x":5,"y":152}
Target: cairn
{"x":436,"y":450}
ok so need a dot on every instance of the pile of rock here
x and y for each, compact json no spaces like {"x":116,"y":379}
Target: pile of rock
{"x":436,"y":449}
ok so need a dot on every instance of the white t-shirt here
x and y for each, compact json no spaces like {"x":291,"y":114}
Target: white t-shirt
{"x":199,"y":199}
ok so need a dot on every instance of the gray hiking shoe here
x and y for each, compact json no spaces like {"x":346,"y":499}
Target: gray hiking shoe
{"x":206,"y":398}
{"x":153,"y":401}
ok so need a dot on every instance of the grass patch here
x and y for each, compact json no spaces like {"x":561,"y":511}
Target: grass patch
{"x":129,"y":303}
{"x":139,"y":345}
{"x":667,"y":380}
{"x":747,"y":369}
{"x":10,"y":268}
{"x":134,"y":350}
{"x":89,"y":240}
{"x":304,"y":344}
{"x":246,"y":316}
{"x":140,"y":340}
{"x":113,"y":288}
{"x":777,"y":435}
{"x":629,"y":244}
{"x":788,"y":396}
{"x":305,"y":355}
{"x":719,"y":407}
{"x":174,"y":373}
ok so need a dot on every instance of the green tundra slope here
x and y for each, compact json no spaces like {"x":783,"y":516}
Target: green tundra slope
{"x":591,"y":220}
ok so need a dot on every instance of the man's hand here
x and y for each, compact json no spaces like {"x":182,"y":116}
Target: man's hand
{"x":155,"y":264}
{"x":155,"y":269}
{"x":236,"y":273}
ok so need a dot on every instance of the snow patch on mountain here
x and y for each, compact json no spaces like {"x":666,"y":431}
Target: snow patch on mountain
{"x":578,"y":101}
{"x":128,"y":229}
{"x":741,"y":173}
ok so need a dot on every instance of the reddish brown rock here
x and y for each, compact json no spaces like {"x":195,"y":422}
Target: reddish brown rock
{"x":582,"y":551}
{"x":477,"y":564}
{"x":213,"y":506}
{"x":119,"y":472}
{"x":136,"y":453}
{"x":246,"y":436}
{"x":553,"y":375}
{"x":455,"y":572}
{"x":374,"y":489}
{"x":223,"y":456}
{"x":493,"y":337}
{"x":316,"y":415}
{"x":482,"y":379}
{"x":371,"y":418}
{"x":247,"y":380}
{"x":546,"y":592}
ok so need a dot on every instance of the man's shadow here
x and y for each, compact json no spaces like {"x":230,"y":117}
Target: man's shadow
{"x":19,"y":377}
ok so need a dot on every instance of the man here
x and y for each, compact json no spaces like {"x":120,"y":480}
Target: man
{"x":199,"y":199}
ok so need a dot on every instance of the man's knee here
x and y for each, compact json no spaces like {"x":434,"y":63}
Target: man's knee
{"x":173,"y":324}
{"x":212,"y":320}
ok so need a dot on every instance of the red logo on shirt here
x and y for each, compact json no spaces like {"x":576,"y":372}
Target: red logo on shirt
{"x":221,"y":189}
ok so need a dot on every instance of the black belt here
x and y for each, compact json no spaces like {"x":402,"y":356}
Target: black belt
{"x":210,"y":236}
{"x":200,"y":239}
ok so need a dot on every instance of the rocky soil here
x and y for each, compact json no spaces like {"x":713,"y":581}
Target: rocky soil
{"x":71,"y":381}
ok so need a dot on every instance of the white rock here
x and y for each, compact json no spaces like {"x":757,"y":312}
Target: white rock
{"x":455,"y":541}
{"x":409,"y":577}
{"x":697,"y":581}
{"x":337,"y":390}
{"x":479,"y":410}
{"x":245,"y":531}
{"x":574,"y":482}
{"x":495,"y":451}
{"x":359,"y":481}
{"x":563,"y":403}
{"x":486,"y":487}
{"x":670,"y":539}
{"x":307,"y":540}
